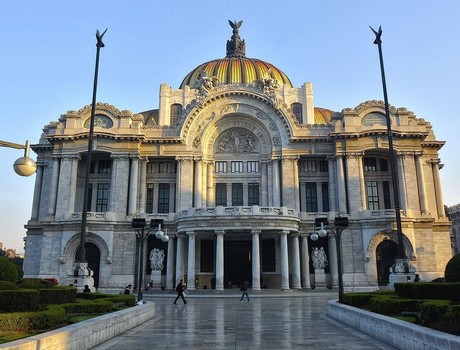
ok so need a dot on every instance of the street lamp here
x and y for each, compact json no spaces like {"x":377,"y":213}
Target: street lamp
{"x":340,"y":223}
{"x":140,"y":225}
{"x":24,"y":166}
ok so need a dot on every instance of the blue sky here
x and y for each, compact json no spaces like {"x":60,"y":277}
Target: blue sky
{"x":48,"y":52}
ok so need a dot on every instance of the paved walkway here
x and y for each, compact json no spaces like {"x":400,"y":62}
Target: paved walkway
{"x":212,"y":321}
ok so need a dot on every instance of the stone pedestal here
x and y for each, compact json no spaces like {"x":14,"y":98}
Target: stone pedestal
{"x":80,"y":276}
{"x":401,"y":271}
{"x":320,"y":278}
{"x":156,"y":279}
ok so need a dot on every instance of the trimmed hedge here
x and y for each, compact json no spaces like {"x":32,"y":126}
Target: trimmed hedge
{"x":433,"y":310}
{"x":393,"y":305}
{"x":57,"y":295}
{"x":100,"y":306}
{"x":18,"y":300}
{"x":452,"y":271}
{"x":5,"y":285}
{"x":8,"y":271}
{"x":358,"y":299}
{"x":53,"y":317}
{"x":427,"y":290}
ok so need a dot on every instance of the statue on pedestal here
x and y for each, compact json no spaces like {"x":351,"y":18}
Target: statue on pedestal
{"x":157,"y":257}
{"x":319,"y":258}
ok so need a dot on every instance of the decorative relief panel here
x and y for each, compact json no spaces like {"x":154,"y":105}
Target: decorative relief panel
{"x":237,"y":141}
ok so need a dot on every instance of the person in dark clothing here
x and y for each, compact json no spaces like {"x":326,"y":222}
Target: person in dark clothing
{"x":244,"y":288}
{"x":128,"y":289}
{"x":86,"y":289}
{"x":180,"y":288}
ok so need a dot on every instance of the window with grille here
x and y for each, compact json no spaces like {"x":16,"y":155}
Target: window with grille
{"x":311,"y":197}
{"x":253,"y":167}
{"x":383,"y":164}
{"x":102,"y":199}
{"x":386,"y":195}
{"x":105,"y":166}
{"x":149,"y":200}
{"x":221,"y":167}
{"x":163,"y":198}
{"x":372,"y":195}
{"x":237,"y":167}
{"x":221,"y":194}
{"x":323,"y":166}
{"x":370,"y":164}
{"x":176,"y":110}
{"x":297,"y":110}
{"x":253,"y":194}
{"x":309,"y":165}
{"x":325,"y":195}
{"x":237,"y":194}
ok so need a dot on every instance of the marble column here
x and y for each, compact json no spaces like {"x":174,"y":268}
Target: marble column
{"x":264,"y":185}
{"x":438,"y":188}
{"x":133,"y":181}
{"x":210,"y":201}
{"x":37,"y":193}
{"x":170,"y":263}
{"x":421,"y":185}
{"x":276,"y":188}
{"x":255,"y":260}
{"x":219,"y":260}
{"x":54,"y":185}
{"x":362,"y":182}
{"x":296,"y":282}
{"x":332,"y":180}
{"x":305,"y":261}
{"x":191,"y":260}
{"x":143,"y":185}
{"x":341,"y":186}
{"x":401,"y":182}
{"x":198,"y":190}
{"x":284,"y":260}
{"x":180,"y":258}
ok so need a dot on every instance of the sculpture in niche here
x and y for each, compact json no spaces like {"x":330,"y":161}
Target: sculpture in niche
{"x":319,"y":258}
{"x":157,"y":257}
{"x":237,"y":141}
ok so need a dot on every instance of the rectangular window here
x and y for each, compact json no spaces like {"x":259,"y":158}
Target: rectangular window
{"x":176,"y":109}
{"x":372,"y":195}
{"x":386,"y":195}
{"x":221,"y":167}
{"x":325,"y":195}
{"x":163,"y":198}
{"x":370,"y":164}
{"x":310,"y":165}
{"x":268,"y":255}
{"x":253,"y":194}
{"x":105,"y":166}
{"x":237,"y":194}
{"x":102,"y":199}
{"x":323,"y":166}
{"x":149,"y":203}
{"x":92,"y":167}
{"x":383,"y":165}
{"x":221,"y":194}
{"x":253,"y":167}
{"x":312,"y":197}
{"x":237,"y":167}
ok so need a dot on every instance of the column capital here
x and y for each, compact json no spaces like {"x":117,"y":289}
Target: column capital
{"x":190,"y":233}
{"x":284,"y":232}
{"x":219,"y":232}
{"x":255,"y":232}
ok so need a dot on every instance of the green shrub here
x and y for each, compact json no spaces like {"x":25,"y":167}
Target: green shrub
{"x":427,"y":290}
{"x":453,"y":314}
{"x":438,"y":280}
{"x":53,"y":317}
{"x":18,"y":300}
{"x":57,"y":295}
{"x":433,"y":310}
{"x":34,"y":283}
{"x":124,"y":299}
{"x":358,"y":299}
{"x":8,"y":271}
{"x":452,"y":271}
{"x":393,"y":305}
{"x":96,"y":307}
{"x":5,"y":285}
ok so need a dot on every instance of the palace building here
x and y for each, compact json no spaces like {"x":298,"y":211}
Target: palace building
{"x":237,"y":165}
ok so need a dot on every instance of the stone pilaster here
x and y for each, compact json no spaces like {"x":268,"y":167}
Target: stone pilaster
{"x":296,"y":282}
{"x":219,"y":260}
{"x":191,"y":261}
{"x":284,"y":260}
{"x":305,"y":261}
{"x":170,"y":263}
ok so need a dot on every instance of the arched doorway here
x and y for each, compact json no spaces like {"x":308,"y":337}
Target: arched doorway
{"x":386,"y":253}
{"x":93,"y":257}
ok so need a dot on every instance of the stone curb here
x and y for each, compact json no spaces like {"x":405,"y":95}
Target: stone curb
{"x":87,"y":334}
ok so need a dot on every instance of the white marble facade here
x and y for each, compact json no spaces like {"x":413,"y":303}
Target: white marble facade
{"x":238,"y":177}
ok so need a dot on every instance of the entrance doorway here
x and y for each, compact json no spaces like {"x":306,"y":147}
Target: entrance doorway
{"x":237,"y":262}
{"x":386,"y":255}
{"x":93,"y":257}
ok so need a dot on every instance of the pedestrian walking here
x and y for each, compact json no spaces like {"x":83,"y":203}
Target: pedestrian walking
{"x":180,"y":289}
{"x":244,"y":288}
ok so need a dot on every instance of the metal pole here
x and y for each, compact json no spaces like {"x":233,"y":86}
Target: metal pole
{"x":141,"y":266}
{"x":338,"y":242}
{"x":394,"y":175}
{"x":84,"y":214}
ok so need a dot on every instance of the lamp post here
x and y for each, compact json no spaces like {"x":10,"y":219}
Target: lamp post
{"x":340,"y":223}
{"x":80,"y":264}
{"x":401,"y":264}
{"x":140,"y":225}
{"x":24,"y":166}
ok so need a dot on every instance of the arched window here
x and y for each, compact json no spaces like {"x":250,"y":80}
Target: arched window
{"x":176,"y":109}
{"x":297,"y":110}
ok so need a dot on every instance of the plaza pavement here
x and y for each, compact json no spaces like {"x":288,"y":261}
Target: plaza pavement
{"x":218,"y":320}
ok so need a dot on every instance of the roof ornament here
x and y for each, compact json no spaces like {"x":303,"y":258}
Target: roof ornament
{"x":204,"y":84}
{"x":236,"y":47}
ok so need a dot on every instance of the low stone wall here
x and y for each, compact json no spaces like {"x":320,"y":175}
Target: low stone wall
{"x":400,"y":334}
{"x":87,"y":334}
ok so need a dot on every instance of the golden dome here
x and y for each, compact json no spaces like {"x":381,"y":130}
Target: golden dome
{"x":236,"y":68}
